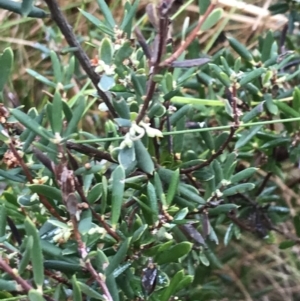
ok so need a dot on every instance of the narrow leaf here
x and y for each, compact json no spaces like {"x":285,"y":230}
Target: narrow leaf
{"x":116,"y":260}
{"x":144,"y":161}
{"x":105,"y":10}
{"x":35,"y":295}
{"x":241,"y":188}
{"x":77,"y":114}
{"x":76,"y":290}
{"x":118,"y":184}
{"x":174,"y":253}
{"x":36,"y":254}
{"x":173,"y":187}
{"x":190,"y":63}
{"x":31,"y":124}
{"x":6,"y":62}
{"x":247,"y":136}
{"x":242,"y":175}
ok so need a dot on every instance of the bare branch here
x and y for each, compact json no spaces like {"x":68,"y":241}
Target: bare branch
{"x":83,"y":59}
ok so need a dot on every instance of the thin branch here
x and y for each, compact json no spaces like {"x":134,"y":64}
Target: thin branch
{"x":6,"y":268}
{"x":83,"y":59}
{"x":90,"y":151}
{"x":150,"y":93}
{"x":83,"y":252}
{"x":160,"y":43}
{"x":232,"y":98}
{"x":190,"y":38}
{"x":110,"y":231}
{"x":214,"y":156}
{"x":27,"y":173}
{"x":264,"y":183}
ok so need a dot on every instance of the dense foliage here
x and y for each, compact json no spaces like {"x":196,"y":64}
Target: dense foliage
{"x":145,"y":160}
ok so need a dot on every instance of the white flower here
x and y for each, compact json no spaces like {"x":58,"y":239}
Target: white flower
{"x":151,"y":132}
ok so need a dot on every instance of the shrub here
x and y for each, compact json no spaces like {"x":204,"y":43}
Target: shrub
{"x":130,"y":199}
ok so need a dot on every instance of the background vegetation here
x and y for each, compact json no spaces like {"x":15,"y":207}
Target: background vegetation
{"x":144,"y":159}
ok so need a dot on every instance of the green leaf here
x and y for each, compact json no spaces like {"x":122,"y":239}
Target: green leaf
{"x":35,"y":295}
{"x":296,"y":224}
{"x":118,"y":185}
{"x":174,"y":253}
{"x":208,"y":139}
{"x":144,"y":161}
{"x":223,"y":208}
{"x":212,"y":19}
{"x":57,"y":112}
{"x":247,"y":136}
{"x":57,"y":69}
{"x":12,"y":177}
{"x":173,"y":187}
{"x":287,"y":244}
{"x":255,"y":112}
{"x":139,"y":232}
{"x":106,"y":12}
{"x":189,"y":194}
{"x":106,"y":82}
{"x":251,"y":76}
{"x":153,"y":202}
{"x":36,"y":254}
{"x":106,"y":51}
{"x":2,"y":220}
{"x":97,"y":22}
{"x":95,"y":193}
{"x":266,"y":52}
{"x":77,"y":114}
{"x":123,"y":52}
{"x":6,"y":62}
{"x":240,"y":49}
{"x":129,"y":15}
{"x":16,"y":7}
{"x":159,"y":189}
{"x":228,"y":234}
{"x":179,"y":114}
{"x":76,"y":289}
{"x":271,"y":106}
{"x":241,"y":188}
{"x":48,"y":191}
{"x":87,"y":290}
{"x":31,"y":124}
{"x":172,"y":287}
{"x":296,"y":99}
{"x":285,"y":108}
{"x":242,"y":175}
{"x":126,"y":157}
{"x":218,"y":171}
{"x":8,"y":286}
{"x":26,"y":255}
{"x":104,"y":194}
{"x":41,"y":78}
{"x":29,"y":135}
{"x":116,"y":260}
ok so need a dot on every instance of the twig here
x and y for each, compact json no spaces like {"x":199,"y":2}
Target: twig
{"x":25,"y":168}
{"x":111,"y":232}
{"x":161,"y":40}
{"x":83,"y":252}
{"x":6,"y":268}
{"x":232,"y":98}
{"x":264,"y":183}
{"x":190,"y":38}
{"x":90,"y":151}
{"x":214,"y":156}
{"x":150,"y":92}
{"x":83,"y":59}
